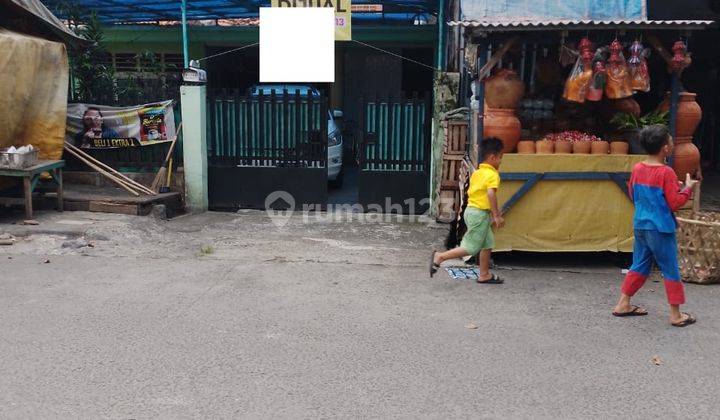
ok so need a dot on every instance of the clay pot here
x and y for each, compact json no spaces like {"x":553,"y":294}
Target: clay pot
{"x":526,"y":147}
{"x":686,"y":160}
{"x":611,"y":107}
{"x":619,"y":148}
{"x":689,"y":114}
{"x":544,"y":147}
{"x":504,"y":90}
{"x":563,"y":147}
{"x":599,"y":147}
{"x":582,"y":147}
{"x":503,"y":124}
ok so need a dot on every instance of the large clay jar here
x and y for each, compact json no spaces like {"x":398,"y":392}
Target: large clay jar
{"x":599,"y":147}
{"x":503,"y":124}
{"x":626,"y":105}
{"x":686,"y":160}
{"x":582,"y":147}
{"x":544,"y":147}
{"x":504,"y":90}
{"x":526,"y":147}
{"x":619,"y":148}
{"x":689,"y":114}
{"x":686,"y":157}
{"x":563,"y":147}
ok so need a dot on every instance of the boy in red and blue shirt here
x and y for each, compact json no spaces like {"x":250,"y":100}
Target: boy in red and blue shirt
{"x":656,"y":193}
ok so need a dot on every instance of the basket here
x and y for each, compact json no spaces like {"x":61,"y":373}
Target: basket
{"x":699,"y":247}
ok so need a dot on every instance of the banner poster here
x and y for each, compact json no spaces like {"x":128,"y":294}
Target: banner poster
{"x":105,"y":127}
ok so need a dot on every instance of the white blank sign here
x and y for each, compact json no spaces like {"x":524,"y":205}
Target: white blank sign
{"x":297,"y":44}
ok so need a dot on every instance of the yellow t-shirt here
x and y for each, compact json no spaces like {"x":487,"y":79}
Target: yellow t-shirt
{"x":484,"y":178}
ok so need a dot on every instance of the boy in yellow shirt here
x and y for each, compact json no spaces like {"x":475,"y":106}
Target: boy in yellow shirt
{"x":481,"y":214}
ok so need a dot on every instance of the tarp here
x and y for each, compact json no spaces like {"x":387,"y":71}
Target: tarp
{"x":32,"y":13}
{"x":542,"y":10}
{"x":33,"y":93}
{"x":560,"y":216}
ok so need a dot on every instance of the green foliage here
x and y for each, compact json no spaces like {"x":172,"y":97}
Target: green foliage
{"x":625,"y":121}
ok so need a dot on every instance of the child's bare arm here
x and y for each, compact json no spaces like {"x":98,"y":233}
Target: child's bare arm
{"x":496,"y":215}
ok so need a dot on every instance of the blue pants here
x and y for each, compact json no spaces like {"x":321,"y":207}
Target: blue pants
{"x":661,"y":248}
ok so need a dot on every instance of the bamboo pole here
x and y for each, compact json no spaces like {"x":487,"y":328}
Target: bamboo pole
{"x":103,"y":172}
{"x":112,"y":170}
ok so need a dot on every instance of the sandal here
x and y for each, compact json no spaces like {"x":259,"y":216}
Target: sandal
{"x":433,"y":266}
{"x":685,"y":322}
{"x":493,"y":280}
{"x":635,"y":311}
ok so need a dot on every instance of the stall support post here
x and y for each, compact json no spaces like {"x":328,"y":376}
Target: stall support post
{"x":480,"y":97}
{"x":441,"y":36}
{"x":674,"y":99}
{"x":183,"y":9}
{"x":194,"y":110}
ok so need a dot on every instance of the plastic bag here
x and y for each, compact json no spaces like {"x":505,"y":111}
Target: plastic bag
{"x":577,"y":83}
{"x":639,"y":75}
{"x":618,"y":84}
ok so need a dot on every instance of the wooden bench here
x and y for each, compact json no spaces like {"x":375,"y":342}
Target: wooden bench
{"x":31,"y":177}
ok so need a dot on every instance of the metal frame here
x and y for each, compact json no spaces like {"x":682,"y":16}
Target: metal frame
{"x":532,"y":178}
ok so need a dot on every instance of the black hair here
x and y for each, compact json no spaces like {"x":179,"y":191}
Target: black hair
{"x":490,"y":146}
{"x":654,"y":137}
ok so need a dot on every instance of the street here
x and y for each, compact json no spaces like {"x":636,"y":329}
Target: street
{"x":224,"y":315}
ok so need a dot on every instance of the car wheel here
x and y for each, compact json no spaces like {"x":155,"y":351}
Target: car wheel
{"x":338,"y":181}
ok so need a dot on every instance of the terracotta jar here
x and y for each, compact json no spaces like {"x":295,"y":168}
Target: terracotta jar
{"x":626,"y":105}
{"x":526,"y":147}
{"x":582,"y":147}
{"x":544,"y":147}
{"x":563,"y":147}
{"x":689,"y":114}
{"x":619,"y":148}
{"x":503,"y":124}
{"x":599,"y":147}
{"x":504,"y":89}
{"x":686,"y":160}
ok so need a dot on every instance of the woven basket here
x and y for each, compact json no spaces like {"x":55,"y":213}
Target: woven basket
{"x":699,"y":247}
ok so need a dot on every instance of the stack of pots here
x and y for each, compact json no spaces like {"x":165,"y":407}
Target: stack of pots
{"x":503,"y":92}
{"x":686,"y":156}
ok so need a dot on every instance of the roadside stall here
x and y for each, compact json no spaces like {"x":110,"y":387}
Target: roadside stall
{"x":568,"y":98}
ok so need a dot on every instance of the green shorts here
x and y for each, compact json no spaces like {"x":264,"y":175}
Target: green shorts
{"x":479,"y":235}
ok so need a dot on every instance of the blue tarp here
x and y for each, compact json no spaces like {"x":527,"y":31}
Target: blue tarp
{"x":126,"y":11}
{"x":548,"y":10}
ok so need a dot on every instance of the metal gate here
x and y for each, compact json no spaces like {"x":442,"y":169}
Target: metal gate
{"x":261,"y":144}
{"x":394,"y":160}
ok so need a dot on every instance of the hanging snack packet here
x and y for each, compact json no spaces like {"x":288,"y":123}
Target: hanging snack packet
{"x":639,"y":75}
{"x":618,"y":75}
{"x":576,"y":85}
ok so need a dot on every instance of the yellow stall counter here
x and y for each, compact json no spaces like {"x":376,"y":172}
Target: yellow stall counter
{"x":566,"y":215}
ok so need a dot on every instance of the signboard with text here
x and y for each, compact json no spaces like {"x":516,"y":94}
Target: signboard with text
{"x":343,"y":13}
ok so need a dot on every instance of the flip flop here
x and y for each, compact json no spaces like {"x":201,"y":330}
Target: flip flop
{"x":433,"y":267}
{"x":684,"y":323}
{"x":493,"y":280}
{"x":635,"y":311}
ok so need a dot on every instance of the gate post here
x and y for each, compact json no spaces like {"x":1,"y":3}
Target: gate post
{"x":194,"y":108}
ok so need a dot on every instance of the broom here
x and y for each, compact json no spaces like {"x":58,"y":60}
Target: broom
{"x":162,"y":173}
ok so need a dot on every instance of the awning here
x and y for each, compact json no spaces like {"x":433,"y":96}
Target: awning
{"x":144,"y":11}
{"x":551,"y":25}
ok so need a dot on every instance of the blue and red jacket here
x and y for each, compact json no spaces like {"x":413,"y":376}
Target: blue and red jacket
{"x":656,"y":193}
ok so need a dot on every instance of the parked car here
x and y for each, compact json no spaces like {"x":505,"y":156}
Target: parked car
{"x":335,"y":141}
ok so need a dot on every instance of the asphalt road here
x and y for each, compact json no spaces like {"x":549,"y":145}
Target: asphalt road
{"x":327,"y":320}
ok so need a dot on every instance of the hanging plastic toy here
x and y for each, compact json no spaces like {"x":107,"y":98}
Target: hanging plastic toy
{"x":639,"y":75}
{"x":578,"y":82}
{"x":618,"y":75}
{"x":681,"y":59}
{"x":599,"y":79}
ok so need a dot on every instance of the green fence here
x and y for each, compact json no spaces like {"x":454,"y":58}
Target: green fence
{"x":396,"y":134}
{"x":251,"y":129}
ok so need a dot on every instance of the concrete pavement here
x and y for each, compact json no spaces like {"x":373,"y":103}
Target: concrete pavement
{"x":326,"y":320}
